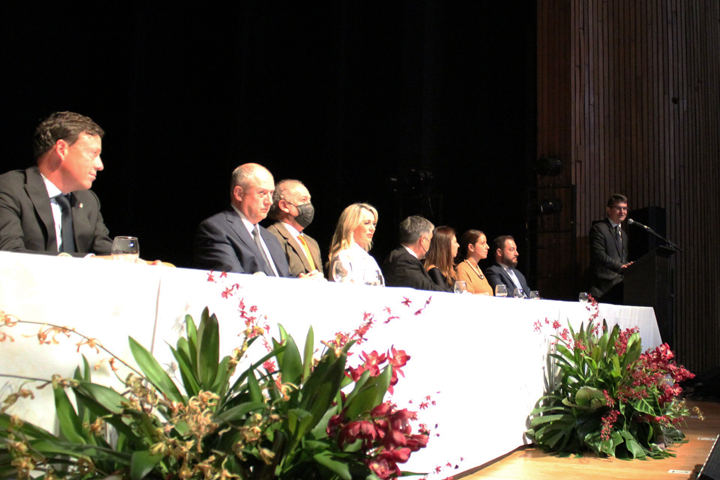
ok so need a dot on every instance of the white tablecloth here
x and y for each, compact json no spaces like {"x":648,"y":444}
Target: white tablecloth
{"x":480,"y":359}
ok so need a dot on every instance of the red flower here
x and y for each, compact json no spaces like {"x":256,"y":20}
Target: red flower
{"x":383,"y":467}
{"x":223,"y":275}
{"x":359,"y":430}
{"x":211,"y":278}
{"x":406,"y":301}
{"x":381,"y":410}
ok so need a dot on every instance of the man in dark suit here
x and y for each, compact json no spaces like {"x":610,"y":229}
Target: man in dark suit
{"x":503,"y":272}
{"x":609,"y":252}
{"x":293,"y":212}
{"x":49,"y":208}
{"x":404,"y":266}
{"x":232,"y":240}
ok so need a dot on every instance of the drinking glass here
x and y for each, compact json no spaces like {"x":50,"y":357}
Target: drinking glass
{"x":534,"y":295}
{"x":126,"y":249}
{"x":500,"y":290}
{"x":374,"y":278}
{"x":583,"y":297}
{"x":460,"y":287}
{"x":341,"y":272}
{"x":518,"y":293}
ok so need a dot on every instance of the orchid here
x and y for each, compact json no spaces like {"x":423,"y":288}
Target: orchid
{"x":607,"y":396}
{"x":287,"y":416}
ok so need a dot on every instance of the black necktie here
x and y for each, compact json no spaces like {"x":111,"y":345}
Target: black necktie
{"x":268,"y":265}
{"x":66,"y":224}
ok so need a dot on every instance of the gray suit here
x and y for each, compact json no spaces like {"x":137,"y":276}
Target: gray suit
{"x":222,"y":243}
{"x":26,"y":219}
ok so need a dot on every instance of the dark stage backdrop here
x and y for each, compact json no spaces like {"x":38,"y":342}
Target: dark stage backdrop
{"x":343,"y":96}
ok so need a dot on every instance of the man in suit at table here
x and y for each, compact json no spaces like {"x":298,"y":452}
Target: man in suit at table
{"x":49,"y":208}
{"x":232,"y":240}
{"x":609,"y":252}
{"x":503,"y":272}
{"x":293,"y":212}
{"x":404,"y":266}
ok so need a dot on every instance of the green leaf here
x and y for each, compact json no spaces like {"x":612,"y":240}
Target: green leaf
{"x":222,"y":377}
{"x":27,"y":429}
{"x":190,"y":382}
{"x":70,"y":424}
{"x":208,"y":353}
{"x":254,"y":388}
{"x":341,"y":469}
{"x":236,"y":414}
{"x":308,"y":356}
{"x":191,"y":331}
{"x":298,"y":421}
{"x":154,"y":372}
{"x":290,"y":362}
{"x":323,"y":385}
{"x":142,"y":463}
{"x":371,"y":394}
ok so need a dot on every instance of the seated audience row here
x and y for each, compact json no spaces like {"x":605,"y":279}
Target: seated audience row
{"x":49,"y":208}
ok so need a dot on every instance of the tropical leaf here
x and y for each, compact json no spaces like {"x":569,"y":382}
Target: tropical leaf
{"x":70,"y":423}
{"x":208,"y":352}
{"x":154,"y":372}
{"x":142,"y":463}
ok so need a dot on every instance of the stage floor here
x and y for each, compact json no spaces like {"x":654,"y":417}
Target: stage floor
{"x":531,"y":463}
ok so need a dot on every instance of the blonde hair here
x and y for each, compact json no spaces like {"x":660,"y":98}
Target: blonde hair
{"x":348,"y":222}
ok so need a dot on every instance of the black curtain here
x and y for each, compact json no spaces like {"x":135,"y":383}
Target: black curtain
{"x":413,"y":106}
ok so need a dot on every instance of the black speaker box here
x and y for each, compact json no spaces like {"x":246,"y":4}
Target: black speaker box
{"x":711,"y":469}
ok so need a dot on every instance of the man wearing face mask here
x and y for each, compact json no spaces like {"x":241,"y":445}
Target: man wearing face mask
{"x":293,"y":212}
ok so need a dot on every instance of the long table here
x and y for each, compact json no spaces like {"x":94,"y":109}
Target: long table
{"x":481,"y":360}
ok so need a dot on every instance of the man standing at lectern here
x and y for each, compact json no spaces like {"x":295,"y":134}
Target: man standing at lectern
{"x":609,"y":252}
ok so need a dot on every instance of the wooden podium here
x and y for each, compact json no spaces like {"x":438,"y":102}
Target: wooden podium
{"x":648,"y":283}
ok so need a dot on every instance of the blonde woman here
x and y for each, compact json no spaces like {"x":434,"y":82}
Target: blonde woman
{"x":349,"y":260}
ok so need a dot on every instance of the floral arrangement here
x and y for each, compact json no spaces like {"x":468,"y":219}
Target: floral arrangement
{"x":605,"y":395}
{"x":286,"y":416}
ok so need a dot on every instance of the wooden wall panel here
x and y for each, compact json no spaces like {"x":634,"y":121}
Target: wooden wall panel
{"x":643,"y":114}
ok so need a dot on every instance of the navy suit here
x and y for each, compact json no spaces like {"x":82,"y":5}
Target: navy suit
{"x":607,"y":261}
{"x":223,"y":243}
{"x":26,"y":219}
{"x":497,"y":275}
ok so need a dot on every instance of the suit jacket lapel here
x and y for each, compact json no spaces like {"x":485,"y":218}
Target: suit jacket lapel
{"x":36,"y":190}
{"x":81,"y":226}
{"x":611,"y":232}
{"x":239,"y":228}
{"x":278,"y":257}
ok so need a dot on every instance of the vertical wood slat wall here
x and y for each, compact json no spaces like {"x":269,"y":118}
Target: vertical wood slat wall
{"x":641,"y":116}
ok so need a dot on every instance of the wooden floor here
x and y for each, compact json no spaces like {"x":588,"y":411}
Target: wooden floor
{"x":531,"y":463}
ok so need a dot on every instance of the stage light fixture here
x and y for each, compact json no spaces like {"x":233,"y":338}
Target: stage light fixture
{"x":548,"y":166}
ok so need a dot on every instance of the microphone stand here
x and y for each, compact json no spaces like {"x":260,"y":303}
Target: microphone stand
{"x":671,"y":244}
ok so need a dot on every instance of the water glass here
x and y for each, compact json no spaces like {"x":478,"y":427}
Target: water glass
{"x":341,"y":272}
{"x":583,"y":297}
{"x":534,"y":295}
{"x":126,"y":249}
{"x":500,"y":290}
{"x":518,"y":293}
{"x":460,"y":287}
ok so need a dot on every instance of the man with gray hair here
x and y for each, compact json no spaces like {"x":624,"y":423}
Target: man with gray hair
{"x":232,"y":240}
{"x":293,"y":212}
{"x":404,"y":266}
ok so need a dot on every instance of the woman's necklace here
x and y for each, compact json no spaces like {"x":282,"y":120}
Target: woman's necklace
{"x":475,"y":269}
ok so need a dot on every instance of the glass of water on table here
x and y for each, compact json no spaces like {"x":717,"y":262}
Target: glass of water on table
{"x":126,"y":249}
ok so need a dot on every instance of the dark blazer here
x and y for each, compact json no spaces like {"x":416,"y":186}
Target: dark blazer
{"x":26,"y":219}
{"x":294,"y":253}
{"x":497,"y":275}
{"x":401,"y":269}
{"x":606,"y":260}
{"x":222,"y":243}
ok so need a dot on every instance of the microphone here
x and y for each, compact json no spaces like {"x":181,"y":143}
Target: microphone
{"x":630,"y":221}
